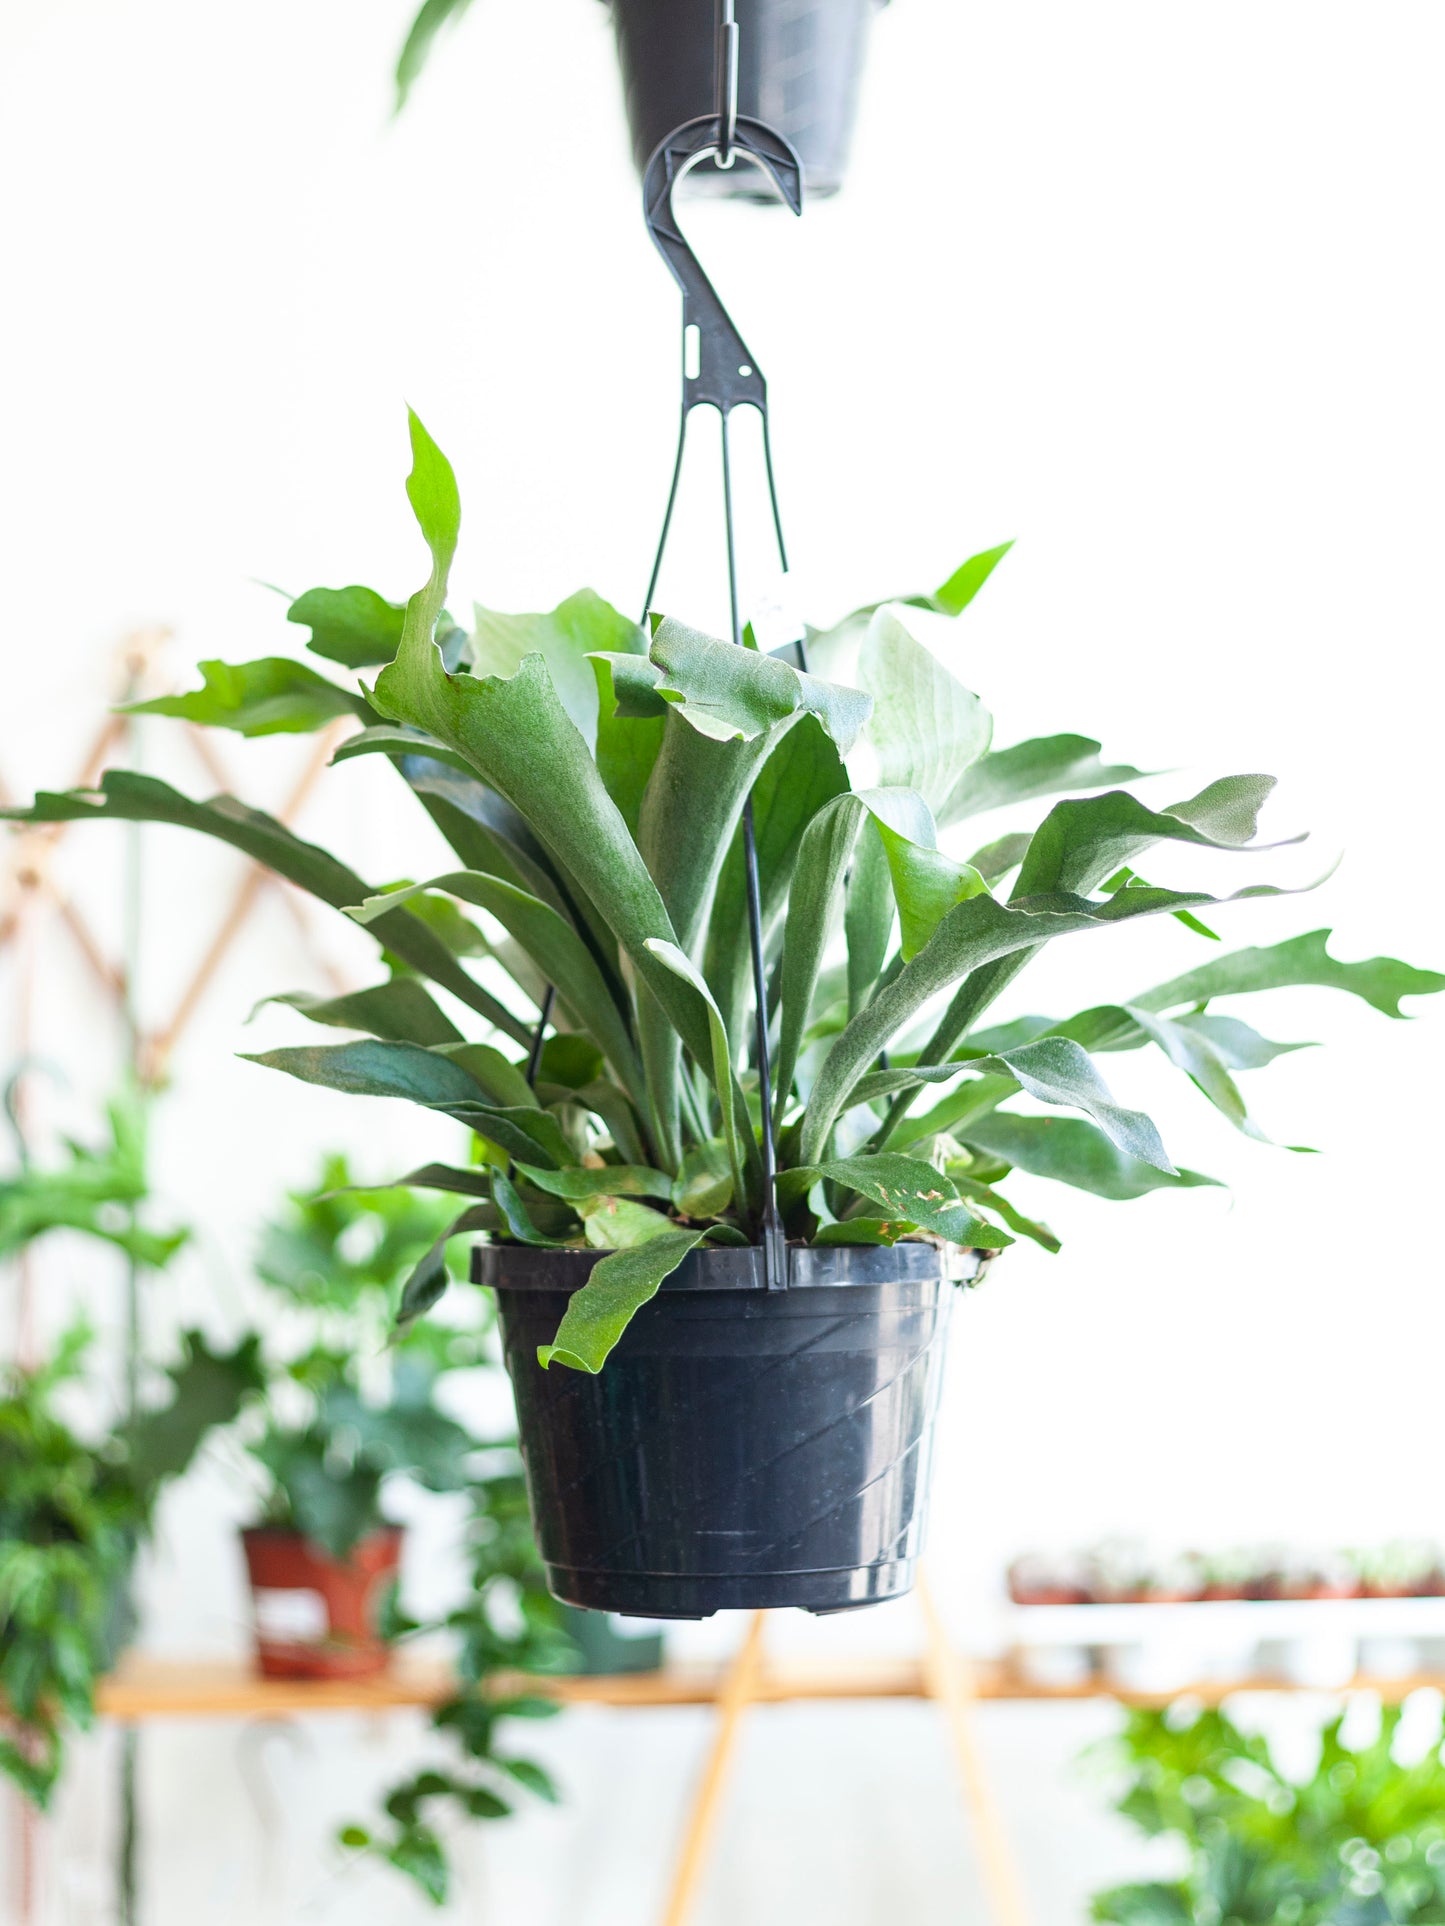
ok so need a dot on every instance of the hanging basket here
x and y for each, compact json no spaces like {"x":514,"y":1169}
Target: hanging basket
{"x":742,"y":1447}
{"x":800,"y":63}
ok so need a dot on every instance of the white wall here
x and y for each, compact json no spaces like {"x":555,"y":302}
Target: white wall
{"x":1155,"y":289}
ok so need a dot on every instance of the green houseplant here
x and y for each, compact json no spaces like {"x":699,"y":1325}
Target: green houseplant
{"x":345,"y":1412}
{"x":755,"y":1446}
{"x":350,"y":1406}
{"x":1360,"y":1842}
{"x":73,"y":1509}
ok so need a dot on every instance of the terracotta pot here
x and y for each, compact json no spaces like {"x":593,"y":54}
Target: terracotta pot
{"x":315,"y":1616}
{"x":1315,"y":1588}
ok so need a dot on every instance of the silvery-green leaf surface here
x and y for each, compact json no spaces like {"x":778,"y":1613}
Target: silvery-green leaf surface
{"x":911,"y":1191}
{"x":976,"y":933}
{"x":518,"y":738}
{"x":354,"y":626}
{"x":399,"y":1011}
{"x":553,"y":945}
{"x":1381,"y":981}
{"x":274,"y":696}
{"x":565,"y":638}
{"x":1052,"y":1069}
{"x":1042,"y":766}
{"x":926,"y":729}
{"x":737,"y":1132}
{"x":610,"y":1180}
{"x":618,"y":1287}
{"x":1071,"y":1151}
{"x":803,"y":773}
{"x":728,"y":692}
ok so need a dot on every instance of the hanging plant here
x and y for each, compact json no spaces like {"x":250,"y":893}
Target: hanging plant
{"x":754,"y":1446}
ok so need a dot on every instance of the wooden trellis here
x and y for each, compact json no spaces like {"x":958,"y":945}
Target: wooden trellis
{"x":34,"y":905}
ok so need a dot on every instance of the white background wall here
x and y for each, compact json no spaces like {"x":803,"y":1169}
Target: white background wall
{"x":1154,"y":288}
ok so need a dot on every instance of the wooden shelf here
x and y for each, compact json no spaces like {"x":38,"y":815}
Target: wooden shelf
{"x":153,"y":1688}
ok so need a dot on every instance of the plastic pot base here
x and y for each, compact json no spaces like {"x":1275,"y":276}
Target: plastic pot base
{"x":741,"y":1448}
{"x":671,"y":1595}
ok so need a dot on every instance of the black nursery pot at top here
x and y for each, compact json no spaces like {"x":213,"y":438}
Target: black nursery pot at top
{"x":799,"y":67}
{"x":742,"y":1447}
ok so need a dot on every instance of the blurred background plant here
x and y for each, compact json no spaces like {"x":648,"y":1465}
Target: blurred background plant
{"x":351,"y":1404}
{"x":73,"y":1513}
{"x":1360,"y":1841}
{"x":75,"y":1508}
{"x":1123,"y":1571}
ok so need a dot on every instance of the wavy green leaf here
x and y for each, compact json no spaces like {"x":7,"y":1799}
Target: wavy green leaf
{"x":376,"y":1069}
{"x":692,"y":807}
{"x":502,"y":1081}
{"x":975,"y":1192}
{"x":354,"y":626}
{"x":926,"y":729}
{"x":1053,"y":1069}
{"x":614,"y":1223}
{"x":976,"y":933}
{"x":703,"y":1186}
{"x":565,"y":638}
{"x":429,"y":1278}
{"x":399,"y":1011}
{"x":519,"y":740}
{"x":518,"y":1130}
{"x":1057,"y":1071}
{"x":912,"y":1192}
{"x":1192,"y":1052}
{"x":828,"y":846}
{"x":737,"y":1133}
{"x":1042,"y":766}
{"x":476,"y":1182}
{"x":616,"y":1290}
{"x":954,"y":595}
{"x":1083,"y":841}
{"x":126,"y":797}
{"x":1078,"y":844}
{"x":433,"y":16}
{"x":728,"y":692}
{"x":926,"y":886}
{"x":611,"y":1180}
{"x":553,"y":945}
{"x":1071,"y":1151}
{"x":627,"y":744}
{"x":274,"y":696}
{"x":803,"y":773}
{"x":518,"y":1218}
{"x":1302,"y":960}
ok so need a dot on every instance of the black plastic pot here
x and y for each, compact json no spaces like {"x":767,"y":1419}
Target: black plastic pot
{"x":799,"y":65}
{"x":742,"y":1447}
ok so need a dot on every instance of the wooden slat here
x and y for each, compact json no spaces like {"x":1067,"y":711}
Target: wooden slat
{"x":151,"y":1688}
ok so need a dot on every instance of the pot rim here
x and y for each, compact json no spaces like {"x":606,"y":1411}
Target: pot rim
{"x":389,"y":1532}
{"x":730,"y":1267}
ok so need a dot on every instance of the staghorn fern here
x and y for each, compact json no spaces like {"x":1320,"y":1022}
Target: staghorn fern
{"x":590,"y":775}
